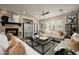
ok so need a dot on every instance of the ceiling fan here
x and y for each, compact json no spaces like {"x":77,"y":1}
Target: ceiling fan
{"x":45,"y":13}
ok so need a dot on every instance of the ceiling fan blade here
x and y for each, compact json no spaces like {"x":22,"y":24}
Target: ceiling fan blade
{"x":45,"y":13}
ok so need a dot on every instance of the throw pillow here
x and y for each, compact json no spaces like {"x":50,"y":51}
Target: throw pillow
{"x":2,"y":50}
{"x":12,"y":42}
{"x":9,"y":36}
{"x":74,"y":45}
{"x":18,"y":49}
{"x":75,"y":37}
{"x":4,"y":41}
{"x":61,"y":33}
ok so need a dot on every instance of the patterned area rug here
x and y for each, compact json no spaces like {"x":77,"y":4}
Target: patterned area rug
{"x":39,"y":48}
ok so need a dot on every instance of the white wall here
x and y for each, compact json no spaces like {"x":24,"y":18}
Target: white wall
{"x":55,"y":23}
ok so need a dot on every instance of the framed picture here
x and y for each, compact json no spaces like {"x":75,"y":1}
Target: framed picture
{"x":11,"y":20}
{"x":72,"y":18}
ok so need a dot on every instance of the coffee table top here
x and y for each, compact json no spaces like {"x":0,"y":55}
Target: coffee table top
{"x":42,"y":42}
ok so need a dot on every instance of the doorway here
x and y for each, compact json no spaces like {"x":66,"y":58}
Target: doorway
{"x":27,"y":28}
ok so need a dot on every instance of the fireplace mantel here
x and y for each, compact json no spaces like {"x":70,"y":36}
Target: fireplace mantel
{"x":3,"y":23}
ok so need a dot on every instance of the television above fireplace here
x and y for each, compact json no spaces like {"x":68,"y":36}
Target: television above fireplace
{"x":14,"y":31}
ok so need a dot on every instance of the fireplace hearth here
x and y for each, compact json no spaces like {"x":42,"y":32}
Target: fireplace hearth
{"x":14,"y":31}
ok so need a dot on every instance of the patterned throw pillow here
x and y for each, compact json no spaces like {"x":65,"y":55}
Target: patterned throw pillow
{"x":74,"y":45}
{"x":75,"y":37}
{"x":61,"y":33}
{"x":15,"y":46}
{"x":12,"y":42}
{"x":18,"y":49}
{"x":9,"y":36}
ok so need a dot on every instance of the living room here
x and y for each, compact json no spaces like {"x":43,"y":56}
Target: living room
{"x":41,"y":29}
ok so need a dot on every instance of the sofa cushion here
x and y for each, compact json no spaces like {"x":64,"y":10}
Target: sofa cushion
{"x":17,"y":49}
{"x":2,"y":51}
{"x":56,"y":34}
{"x":12,"y":42}
{"x":74,"y":45}
{"x":75,"y":37}
{"x":4,"y":41}
{"x":9,"y":36}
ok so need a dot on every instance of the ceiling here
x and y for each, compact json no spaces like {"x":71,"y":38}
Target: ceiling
{"x":35,"y":10}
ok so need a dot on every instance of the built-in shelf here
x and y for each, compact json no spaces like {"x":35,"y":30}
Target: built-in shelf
{"x":3,"y":23}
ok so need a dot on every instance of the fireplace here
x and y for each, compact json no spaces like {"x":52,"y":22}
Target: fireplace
{"x":14,"y":31}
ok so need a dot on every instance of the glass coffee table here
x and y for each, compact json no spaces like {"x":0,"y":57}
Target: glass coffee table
{"x":42,"y":46}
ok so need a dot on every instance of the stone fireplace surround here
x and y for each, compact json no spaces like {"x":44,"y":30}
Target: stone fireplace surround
{"x":15,"y":29}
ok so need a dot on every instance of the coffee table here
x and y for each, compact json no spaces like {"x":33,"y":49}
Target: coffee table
{"x":42,"y":44}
